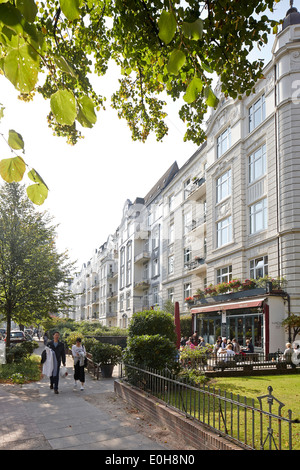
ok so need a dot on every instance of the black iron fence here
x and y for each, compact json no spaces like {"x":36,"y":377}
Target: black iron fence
{"x":255,"y":424}
{"x":207,"y":362}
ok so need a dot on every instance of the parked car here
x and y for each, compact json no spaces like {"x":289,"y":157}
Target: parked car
{"x":17,"y":337}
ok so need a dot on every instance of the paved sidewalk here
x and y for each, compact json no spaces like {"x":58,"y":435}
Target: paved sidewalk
{"x":34,"y":418}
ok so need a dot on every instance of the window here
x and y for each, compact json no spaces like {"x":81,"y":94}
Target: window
{"x":186,"y":188}
{"x":155,"y":295}
{"x":122,"y":302}
{"x":223,"y":142}
{"x":259,"y":267}
{"x":187,"y":255}
{"x":257,"y":164}
{"x":171,"y":233}
{"x":224,"y":274}
{"x":155,"y":238}
{"x":128,"y":300}
{"x":257,"y":113}
{"x":171,"y":264}
{"x":187,"y":221}
{"x":187,"y":290}
{"x":155,"y":267}
{"x":224,"y":186}
{"x":224,"y":232}
{"x":171,"y":202}
{"x":171,"y":294}
{"x":258,"y":216}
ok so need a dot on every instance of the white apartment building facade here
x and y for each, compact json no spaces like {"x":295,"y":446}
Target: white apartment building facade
{"x":232,"y":211}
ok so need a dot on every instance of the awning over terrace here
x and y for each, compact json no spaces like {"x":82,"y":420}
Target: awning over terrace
{"x":229,"y":306}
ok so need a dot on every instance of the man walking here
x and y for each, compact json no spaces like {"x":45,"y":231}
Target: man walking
{"x":59,"y":357}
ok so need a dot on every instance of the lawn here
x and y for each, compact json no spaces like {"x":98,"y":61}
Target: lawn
{"x":231,"y":406}
{"x":286,"y":389}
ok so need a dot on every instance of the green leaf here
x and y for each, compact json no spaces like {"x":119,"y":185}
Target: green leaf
{"x":15,"y":140}
{"x":63,"y":106}
{"x":21,"y":68}
{"x":176,"y":61}
{"x":12,"y":169}
{"x":211,"y":99}
{"x":206,"y":67}
{"x":28,"y":9}
{"x":167,"y":26}
{"x":70,"y":8}
{"x":193,"y":90}
{"x":193,"y":30}
{"x":34,"y":176}
{"x":64,"y":66}
{"x":86,"y":112}
{"x":11,"y":17}
{"x":37,"y":193}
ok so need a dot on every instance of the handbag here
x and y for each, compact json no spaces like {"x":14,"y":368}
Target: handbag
{"x":63,"y":372}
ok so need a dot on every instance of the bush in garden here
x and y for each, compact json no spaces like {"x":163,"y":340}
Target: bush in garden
{"x":153,"y":351}
{"x":104,"y":353}
{"x":70,"y":339}
{"x":153,"y":322}
{"x":18,"y":352}
{"x":88,"y":343}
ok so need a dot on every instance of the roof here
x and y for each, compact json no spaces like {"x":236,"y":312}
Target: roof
{"x":292,"y":17}
{"x":165,"y":179}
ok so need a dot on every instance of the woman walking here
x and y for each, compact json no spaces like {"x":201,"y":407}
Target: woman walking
{"x":79,"y":354}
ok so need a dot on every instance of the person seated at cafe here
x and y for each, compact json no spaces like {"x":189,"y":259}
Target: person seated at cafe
{"x":229,"y":352}
{"x":249,"y":347}
{"x":287,"y":355}
{"x":235,"y":346}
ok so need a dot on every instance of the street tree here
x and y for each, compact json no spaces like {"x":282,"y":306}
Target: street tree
{"x":33,"y":275}
{"x":161,"y":47}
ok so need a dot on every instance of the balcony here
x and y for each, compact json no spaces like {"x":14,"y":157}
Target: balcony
{"x":142,"y":284}
{"x":196,"y":224}
{"x":111,"y":294}
{"x":196,"y":189}
{"x":197,"y":266}
{"x":141,"y":257}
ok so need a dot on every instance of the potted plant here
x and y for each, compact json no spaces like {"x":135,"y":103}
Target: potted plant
{"x":108,"y":356}
{"x":199,"y":294}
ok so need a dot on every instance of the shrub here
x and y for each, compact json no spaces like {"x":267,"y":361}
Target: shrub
{"x":89,"y":343}
{"x":18,"y":352}
{"x":106,"y":353}
{"x":152,"y":351}
{"x":70,"y":339}
{"x":153,"y":322}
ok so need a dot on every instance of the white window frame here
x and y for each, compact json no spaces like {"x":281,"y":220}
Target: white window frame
{"x":224,"y":274}
{"x":257,"y":164}
{"x":224,"y":231}
{"x":258,"y":264}
{"x":187,"y":255}
{"x":256,"y":211}
{"x":171,"y":294}
{"x":223,"y":186}
{"x":187,"y":290}
{"x":257,"y":113}
{"x":223,"y":142}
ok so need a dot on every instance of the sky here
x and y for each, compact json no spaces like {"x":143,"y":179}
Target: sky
{"x":90,"y":182}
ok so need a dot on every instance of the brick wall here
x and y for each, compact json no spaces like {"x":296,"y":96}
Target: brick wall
{"x":191,"y":432}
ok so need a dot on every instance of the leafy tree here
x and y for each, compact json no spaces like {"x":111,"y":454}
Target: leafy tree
{"x":292,"y":325}
{"x":162,"y":47}
{"x":33,"y":276}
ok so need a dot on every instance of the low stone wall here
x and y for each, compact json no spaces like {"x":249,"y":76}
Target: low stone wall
{"x":191,"y":432}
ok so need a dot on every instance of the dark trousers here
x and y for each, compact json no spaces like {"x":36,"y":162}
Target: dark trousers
{"x":54,"y":379}
{"x":79,"y":372}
